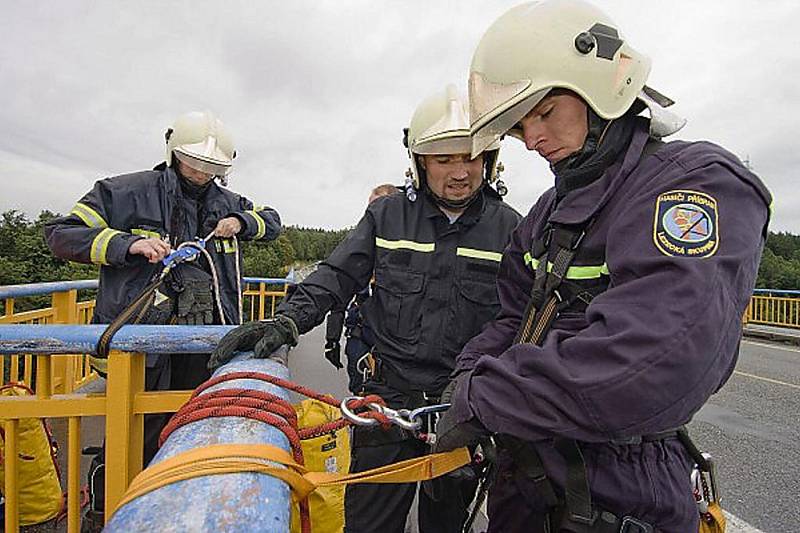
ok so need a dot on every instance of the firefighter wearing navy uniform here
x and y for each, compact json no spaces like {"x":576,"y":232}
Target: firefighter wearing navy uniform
{"x":127,"y":224}
{"x":622,"y":290}
{"x":435,"y":261}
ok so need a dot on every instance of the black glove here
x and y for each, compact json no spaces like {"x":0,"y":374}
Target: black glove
{"x":453,"y":431}
{"x":333,"y":353}
{"x":262,"y":337}
{"x":192,"y":290}
{"x":195,"y":305}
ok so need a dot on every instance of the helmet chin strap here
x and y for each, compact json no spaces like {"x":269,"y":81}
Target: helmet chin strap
{"x":453,"y":204}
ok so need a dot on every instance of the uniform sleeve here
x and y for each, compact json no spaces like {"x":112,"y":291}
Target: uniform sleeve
{"x":658,"y":342}
{"x":334,"y":325}
{"x":514,"y":282}
{"x":258,"y":223}
{"x":87,"y":234}
{"x":335,"y":281}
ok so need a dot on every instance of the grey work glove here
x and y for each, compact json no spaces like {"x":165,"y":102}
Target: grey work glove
{"x":333,"y":353}
{"x":262,"y":337}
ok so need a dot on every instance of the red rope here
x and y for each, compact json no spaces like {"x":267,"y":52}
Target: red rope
{"x":270,"y":409}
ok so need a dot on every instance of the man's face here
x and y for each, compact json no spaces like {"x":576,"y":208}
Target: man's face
{"x":557,"y":127}
{"x":453,"y":177}
{"x":194,"y":176}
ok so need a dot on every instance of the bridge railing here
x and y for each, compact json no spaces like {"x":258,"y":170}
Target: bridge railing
{"x":772,"y":307}
{"x":123,"y":405}
{"x":70,"y":372}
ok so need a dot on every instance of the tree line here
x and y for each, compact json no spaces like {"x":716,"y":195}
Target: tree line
{"x":25,"y":258}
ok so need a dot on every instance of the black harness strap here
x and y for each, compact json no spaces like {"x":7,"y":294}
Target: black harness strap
{"x":546,"y":301}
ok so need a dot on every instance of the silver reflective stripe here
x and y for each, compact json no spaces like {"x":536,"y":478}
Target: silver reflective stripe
{"x":99,"y":248}
{"x":89,"y":216}
{"x":479,"y":254}
{"x":404,"y":244}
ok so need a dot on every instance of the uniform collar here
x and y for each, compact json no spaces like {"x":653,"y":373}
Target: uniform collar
{"x":580,"y":205}
{"x":468,"y":218}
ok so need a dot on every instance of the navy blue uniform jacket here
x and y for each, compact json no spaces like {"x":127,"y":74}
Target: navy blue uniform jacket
{"x":678,"y":235}
{"x":119,"y":210}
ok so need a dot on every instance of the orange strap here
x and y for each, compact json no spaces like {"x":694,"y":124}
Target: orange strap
{"x":264,"y":459}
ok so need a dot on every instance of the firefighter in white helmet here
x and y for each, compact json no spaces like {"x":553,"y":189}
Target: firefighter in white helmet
{"x":434,"y":253}
{"x":621,"y":291}
{"x":127,"y":224}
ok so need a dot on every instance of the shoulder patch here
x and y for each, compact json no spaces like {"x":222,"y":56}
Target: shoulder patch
{"x":686,"y":224}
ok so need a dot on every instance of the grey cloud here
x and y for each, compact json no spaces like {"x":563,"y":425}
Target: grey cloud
{"x":316,"y":93}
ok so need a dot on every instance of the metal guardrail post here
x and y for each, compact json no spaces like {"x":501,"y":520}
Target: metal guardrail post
{"x":65,"y":311}
{"x":124,"y":428}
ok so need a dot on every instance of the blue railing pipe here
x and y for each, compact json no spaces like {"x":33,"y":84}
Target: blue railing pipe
{"x":36,"y":289}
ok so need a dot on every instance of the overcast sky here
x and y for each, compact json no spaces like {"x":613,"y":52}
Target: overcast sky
{"x":316,"y":93}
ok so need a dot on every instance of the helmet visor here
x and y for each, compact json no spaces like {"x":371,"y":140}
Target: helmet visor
{"x":215,"y":168}
{"x":460,"y":144}
{"x":490,"y":132}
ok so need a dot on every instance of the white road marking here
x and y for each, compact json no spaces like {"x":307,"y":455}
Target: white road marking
{"x":768,"y":380}
{"x":785,"y":349}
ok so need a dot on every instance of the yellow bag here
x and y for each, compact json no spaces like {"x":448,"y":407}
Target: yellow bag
{"x":40,"y":496}
{"x":328,"y":453}
{"x":713,"y":521}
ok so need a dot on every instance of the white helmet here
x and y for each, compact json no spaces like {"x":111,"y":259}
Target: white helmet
{"x":567,"y":44}
{"x":201,"y":141}
{"x":440,"y":125}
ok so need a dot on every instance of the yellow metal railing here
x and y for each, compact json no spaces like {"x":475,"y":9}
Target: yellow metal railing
{"x":69,"y":371}
{"x":123,"y":405}
{"x":774,"y":310}
{"x":55,"y":378}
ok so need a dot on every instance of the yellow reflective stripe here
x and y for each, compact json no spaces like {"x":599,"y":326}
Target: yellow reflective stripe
{"x":586,"y":272}
{"x":89,"y":216}
{"x":529,"y":259}
{"x":479,"y":254}
{"x":228,"y":246}
{"x":408,"y":245}
{"x":573,"y":272}
{"x":262,"y":227}
{"x":99,"y":248}
{"x":146,"y":233}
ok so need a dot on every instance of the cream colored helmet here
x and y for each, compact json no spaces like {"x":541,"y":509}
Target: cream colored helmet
{"x":440,"y":125}
{"x":201,"y":141}
{"x":568,"y":44}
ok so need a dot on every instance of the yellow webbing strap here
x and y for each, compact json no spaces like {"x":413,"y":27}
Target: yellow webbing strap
{"x":261,"y":458}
